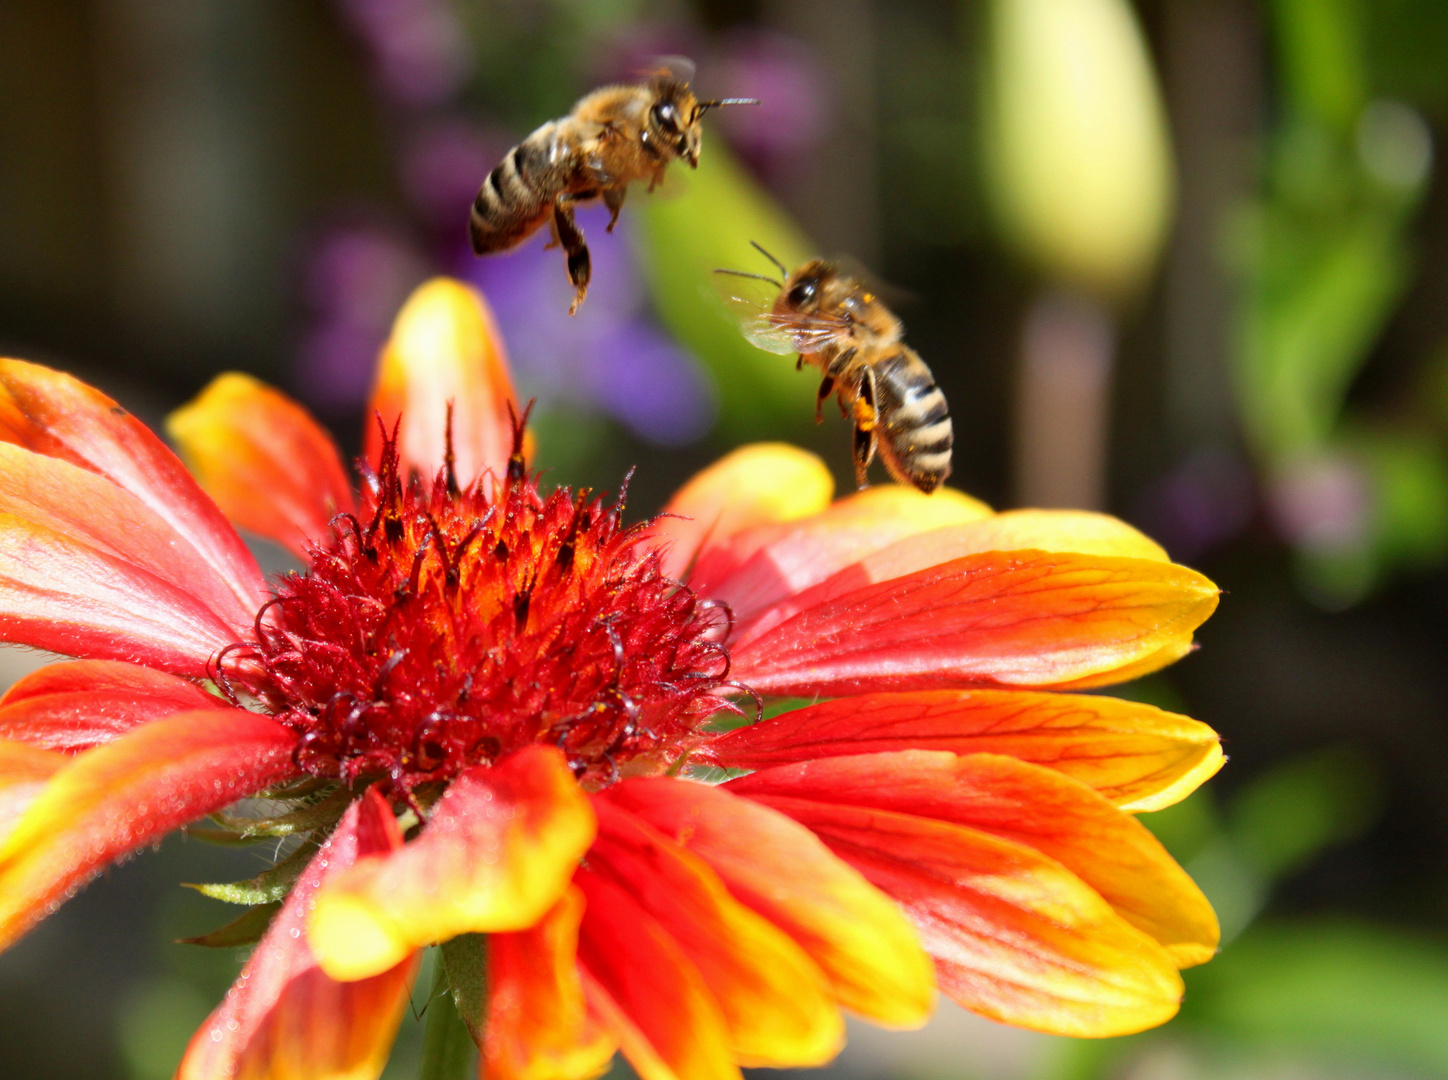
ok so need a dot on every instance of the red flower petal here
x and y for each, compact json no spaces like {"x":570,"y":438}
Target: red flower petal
{"x":445,"y":350}
{"x":859,"y":939}
{"x":775,"y":1001}
{"x":269,"y":466}
{"x":58,"y":416}
{"x":497,"y":852}
{"x":539,"y":1026}
{"x":74,"y":706}
{"x":648,"y":991}
{"x":762,"y":565}
{"x":117,"y":797}
{"x":24,"y":771}
{"x":1107,"y":849}
{"x":284,"y":1017}
{"x":1015,"y":936}
{"x":1024,"y":617}
{"x":1138,"y":756}
{"x":60,"y":594}
{"x":758,"y":484}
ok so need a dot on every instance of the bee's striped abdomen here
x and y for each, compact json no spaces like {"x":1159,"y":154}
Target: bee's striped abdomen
{"x":517,"y":196}
{"x":916,"y":436}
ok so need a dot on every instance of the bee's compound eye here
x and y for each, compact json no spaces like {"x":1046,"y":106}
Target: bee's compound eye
{"x":803,"y":292}
{"x":666,"y":116}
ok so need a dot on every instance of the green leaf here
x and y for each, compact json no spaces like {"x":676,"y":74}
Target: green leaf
{"x":245,"y":929}
{"x":683,"y":238}
{"x":268,"y":886}
{"x":1319,"y":293}
{"x":1290,"y":813}
{"x":448,"y":1051}
{"x":465,"y":958}
{"x":1329,"y":988}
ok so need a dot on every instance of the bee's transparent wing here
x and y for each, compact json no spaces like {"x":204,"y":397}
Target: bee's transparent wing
{"x":680,"y":68}
{"x":751,"y":300}
{"x":811,"y":333}
{"x":748,"y":301}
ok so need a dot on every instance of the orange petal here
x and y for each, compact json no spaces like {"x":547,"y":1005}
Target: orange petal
{"x":762,"y":565}
{"x":24,"y":770}
{"x":1015,"y":936}
{"x":61,"y":594}
{"x":89,"y":509}
{"x":1025,"y":618}
{"x":61,"y":417}
{"x":1137,"y":756}
{"x":647,"y":990}
{"x":775,"y":1001}
{"x":445,"y":349}
{"x":859,"y":939}
{"x":1064,"y":819}
{"x":496,"y":853}
{"x":755,"y":485}
{"x":116,"y":798}
{"x":269,"y":466}
{"x":539,"y":1026}
{"x":284,"y":1019}
{"x":76,"y":705}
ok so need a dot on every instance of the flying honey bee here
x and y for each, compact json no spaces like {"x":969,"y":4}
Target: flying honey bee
{"x":835,"y":323}
{"x":613,"y":136}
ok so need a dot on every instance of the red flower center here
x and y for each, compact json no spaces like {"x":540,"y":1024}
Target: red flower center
{"x":443,"y":629}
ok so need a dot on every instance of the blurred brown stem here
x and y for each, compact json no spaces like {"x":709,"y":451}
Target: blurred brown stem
{"x":1063,"y":403}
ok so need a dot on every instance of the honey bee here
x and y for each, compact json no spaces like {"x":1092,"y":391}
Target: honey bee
{"x":835,"y":323}
{"x":613,"y":136}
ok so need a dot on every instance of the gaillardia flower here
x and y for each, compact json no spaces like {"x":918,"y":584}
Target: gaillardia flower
{"x":489,"y":709}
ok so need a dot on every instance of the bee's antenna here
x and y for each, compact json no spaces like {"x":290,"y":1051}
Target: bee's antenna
{"x":760,"y":248}
{"x":704,"y":106}
{"x":757,"y":277}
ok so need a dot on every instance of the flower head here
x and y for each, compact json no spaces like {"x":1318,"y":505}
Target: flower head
{"x":497,"y":710}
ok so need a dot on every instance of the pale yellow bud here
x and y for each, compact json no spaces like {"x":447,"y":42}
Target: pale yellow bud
{"x":1077,"y":153}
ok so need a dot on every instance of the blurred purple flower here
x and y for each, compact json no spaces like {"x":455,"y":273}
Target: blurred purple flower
{"x":418,"y":49}
{"x":609,"y":356}
{"x":784,"y":73}
{"x":357,"y":278}
{"x":443,"y":163}
{"x":1203,"y":502}
{"x":1323,"y":503}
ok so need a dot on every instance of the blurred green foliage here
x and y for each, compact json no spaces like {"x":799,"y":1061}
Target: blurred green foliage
{"x":1323,"y":257}
{"x":705,"y":223}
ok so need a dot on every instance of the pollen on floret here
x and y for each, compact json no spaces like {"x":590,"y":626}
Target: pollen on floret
{"x":443,"y":627}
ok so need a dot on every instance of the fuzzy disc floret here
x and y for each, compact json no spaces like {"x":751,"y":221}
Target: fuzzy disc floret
{"x":445,"y":628}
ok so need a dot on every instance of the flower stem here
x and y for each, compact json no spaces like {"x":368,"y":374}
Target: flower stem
{"x":447,"y":1048}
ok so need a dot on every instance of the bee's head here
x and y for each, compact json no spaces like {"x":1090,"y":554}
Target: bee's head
{"x":673,"y":120}
{"x":675,"y":115}
{"x":804,"y":289}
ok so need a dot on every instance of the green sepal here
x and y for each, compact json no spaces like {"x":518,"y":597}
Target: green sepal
{"x":268,"y":886}
{"x":465,"y":959}
{"x":319,"y":815}
{"x":245,"y":929}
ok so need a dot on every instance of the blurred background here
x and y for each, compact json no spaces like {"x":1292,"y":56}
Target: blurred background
{"x":1183,"y":260}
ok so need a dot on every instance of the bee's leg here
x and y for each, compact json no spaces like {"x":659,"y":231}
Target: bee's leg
{"x":866,"y":430}
{"x":580,"y":267}
{"x":839,"y":363}
{"x":613,"y":199}
{"x":827,"y":387}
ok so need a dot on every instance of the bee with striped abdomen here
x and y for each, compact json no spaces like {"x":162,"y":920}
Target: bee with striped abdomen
{"x":837,"y":324}
{"x":613,"y":136}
